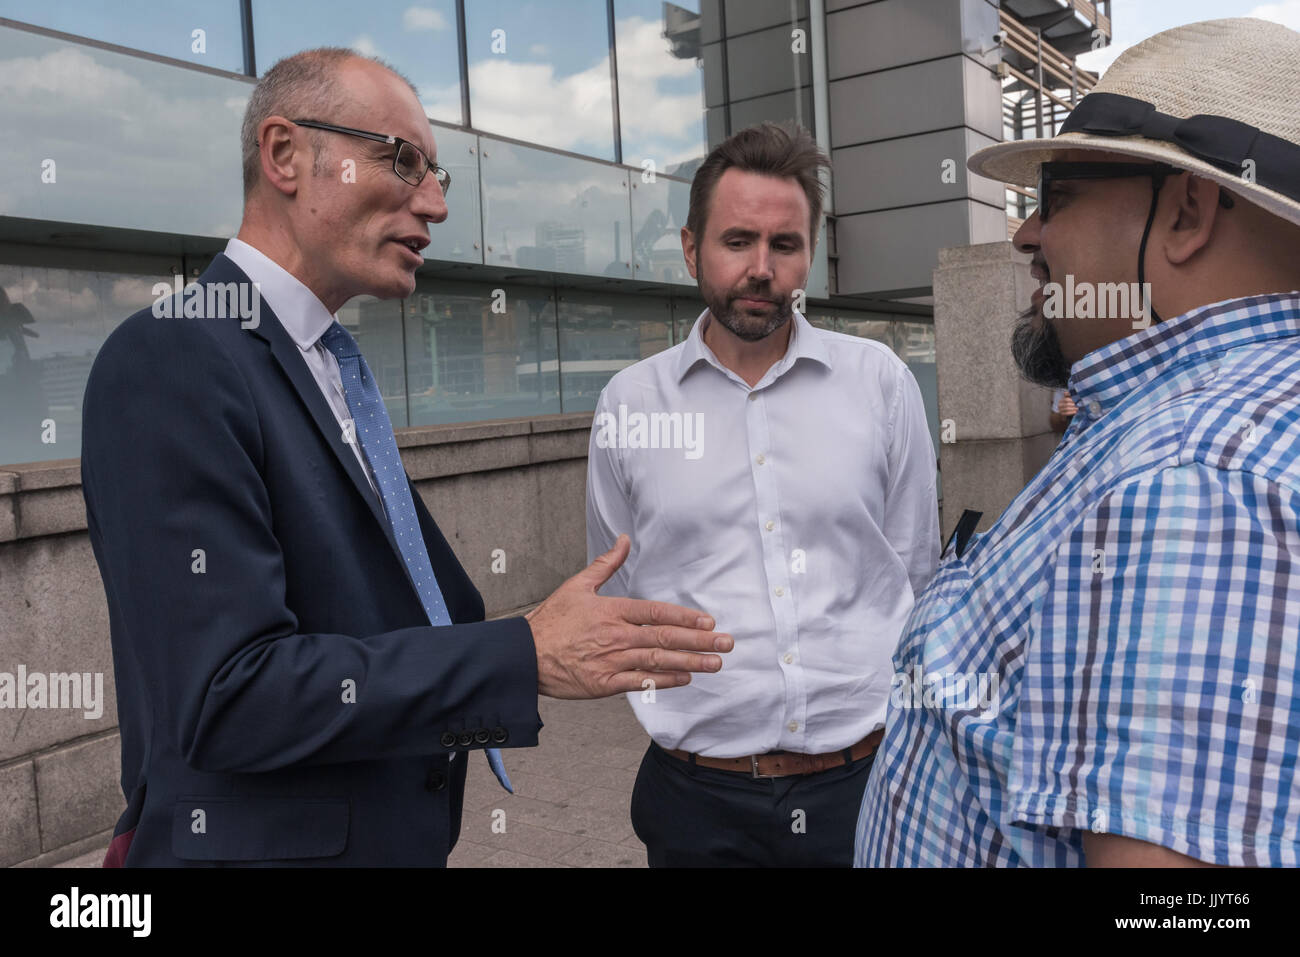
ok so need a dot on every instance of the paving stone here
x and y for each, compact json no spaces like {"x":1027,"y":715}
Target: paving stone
{"x":470,"y":853}
{"x":596,"y":775}
{"x":543,"y":787}
{"x":511,"y":859}
{"x":608,"y":800}
{"x":583,"y":821}
{"x":604,"y":854}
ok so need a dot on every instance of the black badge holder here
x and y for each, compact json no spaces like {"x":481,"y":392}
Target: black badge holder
{"x":964,"y":530}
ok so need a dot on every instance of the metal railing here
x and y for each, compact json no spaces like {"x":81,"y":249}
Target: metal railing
{"x":1056,"y":81}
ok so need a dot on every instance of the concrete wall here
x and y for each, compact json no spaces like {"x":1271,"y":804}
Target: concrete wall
{"x":910,"y":89}
{"x":515,"y":485}
{"x":1000,"y":421}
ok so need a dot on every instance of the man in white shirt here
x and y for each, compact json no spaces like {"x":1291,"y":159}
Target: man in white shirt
{"x":783,"y":477}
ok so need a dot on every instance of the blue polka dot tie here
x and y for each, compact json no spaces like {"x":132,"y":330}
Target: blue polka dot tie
{"x":375,"y":432}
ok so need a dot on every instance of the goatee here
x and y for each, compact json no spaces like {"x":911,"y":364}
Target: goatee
{"x":742,"y":324}
{"x":1037,"y":351}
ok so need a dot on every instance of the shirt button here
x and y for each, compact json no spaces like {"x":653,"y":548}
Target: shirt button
{"x":787,"y":658}
{"x":779,"y":591}
{"x":753,"y":397}
{"x":760,"y":460}
{"x":793,"y":725}
{"x":1094,"y":407}
{"x":770,"y":525}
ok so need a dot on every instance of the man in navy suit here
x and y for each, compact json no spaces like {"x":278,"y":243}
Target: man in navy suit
{"x":299,"y":655}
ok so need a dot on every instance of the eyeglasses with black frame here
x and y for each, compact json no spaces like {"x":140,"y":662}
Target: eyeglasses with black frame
{"x":1050,"y":173}
{"x":409,"y":162}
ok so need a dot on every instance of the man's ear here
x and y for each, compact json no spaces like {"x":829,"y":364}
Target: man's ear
{"x":1196,"y":208}
{"x":278,"y":152}
{"x":689,"y":250}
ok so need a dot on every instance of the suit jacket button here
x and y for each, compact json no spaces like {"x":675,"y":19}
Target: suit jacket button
{"x":482,"y":736}
{"x":499,"y":735}
{"x":436,"y":780}
{"x":466,"y":739}
{"x":448,"y":739}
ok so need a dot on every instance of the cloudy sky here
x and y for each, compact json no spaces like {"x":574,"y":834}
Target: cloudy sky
{"x":1135,"y":20}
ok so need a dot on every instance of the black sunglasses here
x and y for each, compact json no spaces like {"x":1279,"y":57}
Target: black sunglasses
{"x":1050,"y":173}
{"x":410,"y":162}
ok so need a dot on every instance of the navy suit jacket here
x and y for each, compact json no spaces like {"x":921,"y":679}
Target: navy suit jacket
{"x":282,"y":698}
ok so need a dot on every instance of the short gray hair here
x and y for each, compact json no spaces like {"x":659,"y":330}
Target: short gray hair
{"x":302,"y":86}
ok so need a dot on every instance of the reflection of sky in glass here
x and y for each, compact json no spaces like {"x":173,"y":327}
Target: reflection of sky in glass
{"x":72,"y":312}
{"x":135,"y":143}
{"x":165,"y":27}
{"x":660,"y":90}
{"x":552,"y":84}
{"x":558,"y":213}
{"x":417,"y":38}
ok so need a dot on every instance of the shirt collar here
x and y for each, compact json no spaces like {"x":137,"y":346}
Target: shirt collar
{"x":804,"y":343}
{"x":303,"y":316}
{"x":1104,"y":376}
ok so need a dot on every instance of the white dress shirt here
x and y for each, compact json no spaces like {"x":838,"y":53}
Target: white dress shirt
{"x":306,"y":319}
{"x":803,"y":516}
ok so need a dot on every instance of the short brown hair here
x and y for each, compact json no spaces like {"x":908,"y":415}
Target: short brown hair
{"x":786,"y":150}
{"x":302,"y":86}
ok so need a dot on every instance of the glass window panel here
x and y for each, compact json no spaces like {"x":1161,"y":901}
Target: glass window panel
{"x":112,"y":139}
{"x":660,"y":84}
{"x":376,"y":324}
{"x":539,"y":71}
{"x":601,"y":334}
{"x":915,"y":346}
{"x":52,"y":323}
{"x":863,"y":325}
{"x":418,"y":38}
{"x":685,"y":312}
{"x":458,"y":238}
{"x":473,"y":353}
{"x":165,"y":27}
{"x":658,"y":215}
{"x":557,"y":213}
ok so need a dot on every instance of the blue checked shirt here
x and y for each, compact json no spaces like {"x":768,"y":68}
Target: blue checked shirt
{"x":1118,"y":653}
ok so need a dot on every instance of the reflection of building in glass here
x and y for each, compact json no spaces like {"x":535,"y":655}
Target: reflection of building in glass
{"x":682,"y":31}
{"x":566,"y":245}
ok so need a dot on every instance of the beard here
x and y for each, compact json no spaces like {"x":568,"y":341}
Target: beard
{"x":749,"y":325}
{"x":1037,"y":351}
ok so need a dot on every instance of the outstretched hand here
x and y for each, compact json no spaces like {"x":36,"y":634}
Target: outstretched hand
{"x":590,"y":646}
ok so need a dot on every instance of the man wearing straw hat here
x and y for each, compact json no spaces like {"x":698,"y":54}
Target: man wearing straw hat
{"x":1138,"y":604}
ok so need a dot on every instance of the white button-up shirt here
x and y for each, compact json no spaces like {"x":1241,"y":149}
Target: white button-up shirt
{"x":306,"y":319}
{"x":802,"y":514}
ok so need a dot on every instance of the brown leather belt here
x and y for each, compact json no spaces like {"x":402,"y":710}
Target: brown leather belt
{"x":784,"y":763}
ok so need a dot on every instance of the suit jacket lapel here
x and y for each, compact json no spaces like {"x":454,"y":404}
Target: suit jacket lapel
{"x":289,"y":357}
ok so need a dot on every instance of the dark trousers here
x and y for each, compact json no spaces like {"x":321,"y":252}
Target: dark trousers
{"x":692,"y":816}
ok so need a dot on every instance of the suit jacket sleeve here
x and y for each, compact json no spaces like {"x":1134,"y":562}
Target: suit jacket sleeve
{"x":194,"y":574}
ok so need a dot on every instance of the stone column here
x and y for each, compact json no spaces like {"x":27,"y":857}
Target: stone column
{"x":993,"y":425}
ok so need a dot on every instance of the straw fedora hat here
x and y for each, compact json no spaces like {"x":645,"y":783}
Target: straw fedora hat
{"x":1218,"y":98}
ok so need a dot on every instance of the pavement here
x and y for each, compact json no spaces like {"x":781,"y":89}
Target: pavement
{"x":572,"y":793}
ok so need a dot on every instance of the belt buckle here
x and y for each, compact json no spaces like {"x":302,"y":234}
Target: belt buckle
{"x":753,"y":761}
